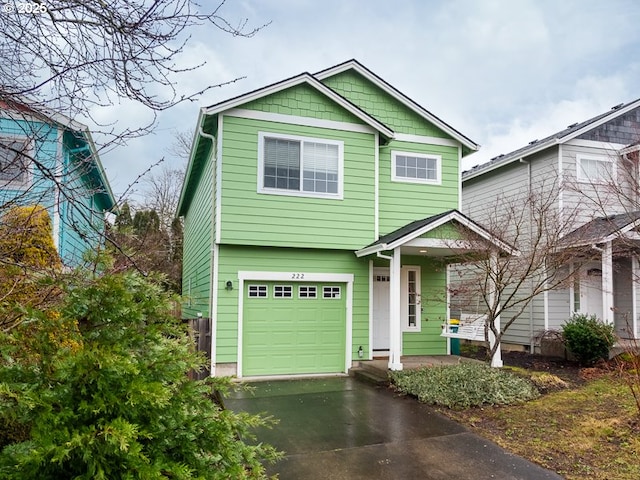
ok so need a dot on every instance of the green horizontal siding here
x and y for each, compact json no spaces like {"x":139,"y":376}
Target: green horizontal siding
{"x":236,"y":258}
{"x":198,"y":240}
{"x":404,"y":202}
{"x":305,"y":101}
{"x":381,"y":105}
{"x":434,"y":309}
{"x":250,"y":218}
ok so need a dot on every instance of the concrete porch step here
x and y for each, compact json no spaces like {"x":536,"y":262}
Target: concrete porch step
{"x":371,"y":376}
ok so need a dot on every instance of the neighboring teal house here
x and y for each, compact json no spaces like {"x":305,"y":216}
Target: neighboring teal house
{"x":50,"y":160}
{"x":318,"y":212}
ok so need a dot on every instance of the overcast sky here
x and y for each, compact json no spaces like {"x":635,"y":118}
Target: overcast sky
{"x":502,"y":72}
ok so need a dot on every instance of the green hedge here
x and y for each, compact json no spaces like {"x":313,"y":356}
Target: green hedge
{"x":464,"y":385}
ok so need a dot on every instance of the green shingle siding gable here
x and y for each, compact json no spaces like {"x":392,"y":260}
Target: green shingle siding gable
{"x":302,"y":101}
{"x":252,"y":218}
{"x":381,"y":105}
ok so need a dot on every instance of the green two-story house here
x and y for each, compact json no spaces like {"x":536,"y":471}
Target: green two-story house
{"x":317,"y":214}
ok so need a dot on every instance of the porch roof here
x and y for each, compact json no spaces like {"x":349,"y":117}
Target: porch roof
{"x":603,"y":229}
{"x":408,"y":237}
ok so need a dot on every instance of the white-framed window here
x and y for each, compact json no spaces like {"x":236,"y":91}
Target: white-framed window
{"x":416,"y":167}
{"x":411,"y":307}
{"x":282,"y":291}
{"x":331,"y":292}
{"x":257,"y":291}
{"x":595,"y":169}
{"x":307,"y":291}
{"x":300,"y":166}
{"x":14,"y":162}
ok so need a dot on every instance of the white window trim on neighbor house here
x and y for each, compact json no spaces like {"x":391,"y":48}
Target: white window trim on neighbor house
{"x":581,"y":174}
{"x":415,"y":179}
{"x":300,"y":192}
{"x":25,"y":182}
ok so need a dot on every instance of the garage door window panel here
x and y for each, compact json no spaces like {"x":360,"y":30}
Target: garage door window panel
{"x":282,"y":291}
{"x":258,"y":291}
{"x":331,"y":292}
{"x":307,"y":291}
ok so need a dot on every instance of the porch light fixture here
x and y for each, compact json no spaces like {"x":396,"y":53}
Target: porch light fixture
{"x":422,"y":251}
{"x":229,"y":285}
{"x":360,"y":352}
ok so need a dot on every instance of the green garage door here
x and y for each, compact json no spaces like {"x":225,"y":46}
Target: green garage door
{"x":293,"y":328}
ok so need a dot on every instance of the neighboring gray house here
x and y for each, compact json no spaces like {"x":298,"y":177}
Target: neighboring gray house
{"x":590,"y":170}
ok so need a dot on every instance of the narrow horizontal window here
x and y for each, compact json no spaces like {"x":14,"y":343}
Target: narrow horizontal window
{"x":257,"y":291}
{"x":594,"y":169}
{"x":416,"y":167}
{"x":307,"y":291}
{"x":331,"y":292}
{"x":282,"y":291}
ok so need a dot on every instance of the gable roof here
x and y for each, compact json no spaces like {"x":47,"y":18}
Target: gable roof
{"x":417,"y":228}
{"x":399,"y":96}
{"x":303,"y":78}
{"x":602,"y":229}
{"x":78,"y":129}
{"x":558,"y":138}
{"x":314,"y":81}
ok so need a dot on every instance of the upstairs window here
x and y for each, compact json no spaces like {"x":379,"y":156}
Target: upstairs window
{"x":291,"y":165}
{"x":416,"y":168}
{"x":594,"y":169}
{"x":14,"y":163}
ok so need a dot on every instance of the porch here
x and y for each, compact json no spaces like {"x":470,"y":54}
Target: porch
{"x":376,"y":371}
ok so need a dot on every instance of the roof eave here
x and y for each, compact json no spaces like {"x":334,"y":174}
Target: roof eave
{"x":196,"y":136}
{"x":417,"y":108}
{"x":508,"y":159}
{"x":298,"y":80}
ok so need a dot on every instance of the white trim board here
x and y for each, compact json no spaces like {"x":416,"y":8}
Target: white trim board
{"x":313,"y":82}
{"x":298,"y":120}
{"x":423,"y":139}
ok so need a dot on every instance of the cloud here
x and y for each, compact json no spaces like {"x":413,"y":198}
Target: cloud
{"x":502,"y":72}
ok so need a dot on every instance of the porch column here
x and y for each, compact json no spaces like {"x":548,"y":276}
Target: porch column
{"x":607,"y":283}
{"x":635,"y":269}
{"x":395,"y":335}
{"x":496,"y":359}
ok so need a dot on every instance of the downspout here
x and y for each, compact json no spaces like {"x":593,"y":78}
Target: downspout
{"x":212,"y":272}
{"x":530,"y":192}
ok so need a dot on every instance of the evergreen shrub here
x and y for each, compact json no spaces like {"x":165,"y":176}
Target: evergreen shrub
{"x":588,"y":338}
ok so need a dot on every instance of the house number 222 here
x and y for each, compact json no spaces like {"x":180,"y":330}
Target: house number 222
{"x":297,"y":276}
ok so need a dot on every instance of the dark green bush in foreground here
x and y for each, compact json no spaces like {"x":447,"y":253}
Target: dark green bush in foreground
{"x":113,"y":401}
{"x":588,"y":338}
{"x":464,"y":385}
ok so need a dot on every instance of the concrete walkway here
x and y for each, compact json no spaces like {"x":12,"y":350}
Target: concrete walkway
{"x":338,"y":428}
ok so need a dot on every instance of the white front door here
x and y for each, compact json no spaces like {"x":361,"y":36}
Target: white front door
{"x":591,"y":290}
{"x":380,"y":311}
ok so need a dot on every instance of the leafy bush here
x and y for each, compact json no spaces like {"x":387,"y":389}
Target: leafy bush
{"x":115,"y":401}
{"x":588,"y":338}
{"x":28,"y":258}
{"x":464,"y":385}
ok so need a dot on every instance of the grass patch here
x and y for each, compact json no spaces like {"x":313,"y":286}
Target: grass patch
{"x":591,"y":432}
{"x":464,"y":385}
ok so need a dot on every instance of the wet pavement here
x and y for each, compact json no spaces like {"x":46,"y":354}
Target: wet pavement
{"x":339,"y":428}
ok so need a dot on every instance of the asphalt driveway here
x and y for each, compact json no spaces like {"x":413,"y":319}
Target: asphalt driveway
{"x":339,"y":428}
